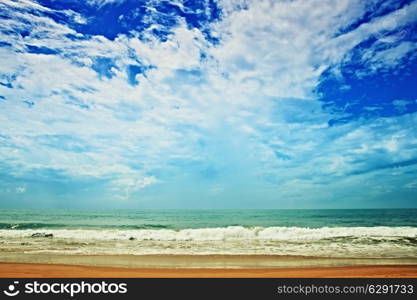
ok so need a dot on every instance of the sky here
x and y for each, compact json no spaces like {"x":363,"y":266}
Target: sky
{"x":208,"y":104}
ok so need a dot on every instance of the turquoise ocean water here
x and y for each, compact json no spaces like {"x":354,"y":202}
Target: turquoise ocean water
{"x":329,"y":233}
{"x":182,"y":219}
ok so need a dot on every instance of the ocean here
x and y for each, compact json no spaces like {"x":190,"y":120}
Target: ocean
{"x":355,"y":233}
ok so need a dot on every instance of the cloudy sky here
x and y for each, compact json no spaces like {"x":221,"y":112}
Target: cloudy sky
{"x":208,"y":104}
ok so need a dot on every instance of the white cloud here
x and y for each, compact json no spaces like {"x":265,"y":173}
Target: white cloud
{"x":101,"y":3}
{"x":123,"y":187}
{"x":251,"y":100}
{"x":388,"y":58}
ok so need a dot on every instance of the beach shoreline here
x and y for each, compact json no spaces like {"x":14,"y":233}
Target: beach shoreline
{"x":172,"y":266}
{"x":208,"y":261}
{"x":236,"y":243}
{"x":33,"y":270}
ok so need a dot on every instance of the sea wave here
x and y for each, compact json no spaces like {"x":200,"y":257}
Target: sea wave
{"x":345,"y":242}
{"x":408,"y":234}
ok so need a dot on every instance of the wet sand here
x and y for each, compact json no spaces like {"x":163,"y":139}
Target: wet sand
{"x":58,"y":265}
{"x":27,"y":270}
{"x":198,"y":261}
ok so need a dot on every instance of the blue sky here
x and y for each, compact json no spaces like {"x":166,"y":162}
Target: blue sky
{"x":208,"y":104}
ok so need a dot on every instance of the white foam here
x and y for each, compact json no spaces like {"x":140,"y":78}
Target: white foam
{"x":365,"y":242}
{"x":221,"y":234}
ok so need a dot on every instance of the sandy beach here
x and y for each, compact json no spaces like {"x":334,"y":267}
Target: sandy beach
{"x":53,"y":265}
{"x":28,"y":270}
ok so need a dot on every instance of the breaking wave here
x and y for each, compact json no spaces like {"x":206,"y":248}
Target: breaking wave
{"x":227,"y":233}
